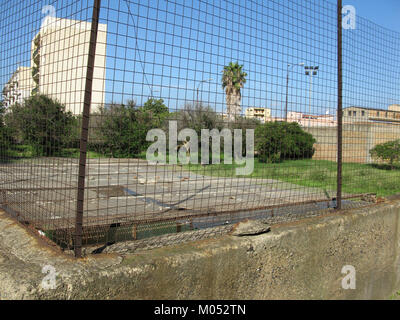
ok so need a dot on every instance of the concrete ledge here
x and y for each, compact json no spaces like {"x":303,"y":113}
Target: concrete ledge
{"x":302,"y":260}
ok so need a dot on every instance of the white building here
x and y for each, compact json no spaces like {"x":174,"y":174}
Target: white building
{"x":359,"y":114}
{"x":19,"y":87}
{"x":306,"y":120}
{"x":59,"y":57}
{"x":262,"y":114}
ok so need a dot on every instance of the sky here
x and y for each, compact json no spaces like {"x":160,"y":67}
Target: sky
{"x":174,"y":49}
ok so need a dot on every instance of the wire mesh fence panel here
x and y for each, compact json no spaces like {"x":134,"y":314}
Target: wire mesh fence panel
{"x":44,"y":54}
{"x":195,"y":89}
{"x":371,"y":118}
{"x":201,"y":114}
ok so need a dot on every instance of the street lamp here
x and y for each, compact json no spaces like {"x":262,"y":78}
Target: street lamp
{"x":289,"y":67}
{"x":200,"y":84}
{"x":311,"y":71}
{"x":152,"y":92}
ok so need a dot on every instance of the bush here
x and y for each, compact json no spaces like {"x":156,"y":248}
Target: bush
{"x":278,"y":141}
{"x":243,"y":124}
{"x":122,"y":129}
{"x":5,"y":133}
{"x":387,"y":152}
{"x":157,"y":108}
{"x":198,"y":117}
{"x":42,"y":123}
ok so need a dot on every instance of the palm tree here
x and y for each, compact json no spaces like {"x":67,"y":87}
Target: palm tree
{"x":233,"y":80}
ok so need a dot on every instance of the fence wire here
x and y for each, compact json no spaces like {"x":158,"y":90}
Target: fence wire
{"x":202,"y":114}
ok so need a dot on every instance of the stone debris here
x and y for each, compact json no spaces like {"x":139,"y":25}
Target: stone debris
{"x":250,"y":228}
{"x":373,"y":199}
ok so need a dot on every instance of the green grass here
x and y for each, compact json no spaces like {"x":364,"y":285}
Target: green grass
{"x":395,"y":296}
{"x":21,"y":151}
{"x":357,"y":178}
{"x":74,"y":153}
{"x":27,"y":152}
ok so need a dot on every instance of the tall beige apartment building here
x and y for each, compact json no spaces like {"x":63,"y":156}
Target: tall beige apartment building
{"x":59,"y":57}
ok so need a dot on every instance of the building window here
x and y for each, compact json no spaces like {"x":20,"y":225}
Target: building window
{"x":355,"y":113}
{"x":349,"y":113}
{"x":378,"y":113}
{"x":362,"y":113}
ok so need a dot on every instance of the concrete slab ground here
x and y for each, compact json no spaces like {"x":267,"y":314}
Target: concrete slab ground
{"x":301,"y":260}
{"x":44,"y":190}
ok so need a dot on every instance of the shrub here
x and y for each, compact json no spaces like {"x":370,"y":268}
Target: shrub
{"x":122,"y":129}
{"x":5,"y":132}
{"x":42,"y":123}
{"x":387,"y":152}
{"x":198,"y":117}
{"x":243,"y":124}
{"x":277,"y":141}
{"x":157,"y":108}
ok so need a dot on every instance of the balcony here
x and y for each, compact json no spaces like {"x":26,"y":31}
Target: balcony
{"x":36,"y":55}
{"x":35,"y":74}
{"x":36,"y":41}
{"x":35,"y":91}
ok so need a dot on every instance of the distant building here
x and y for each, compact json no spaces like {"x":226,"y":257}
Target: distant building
{"x":394,"y":107}
{"x":306,"y":120}
{"x":59,"y":60}
{"x":359,"y":114}
{"x":262,"y":114}
{"x":19,"y":87}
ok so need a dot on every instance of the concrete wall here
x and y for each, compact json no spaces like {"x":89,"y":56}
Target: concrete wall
{"x":301,"y":260}
{"x":358,"y":140}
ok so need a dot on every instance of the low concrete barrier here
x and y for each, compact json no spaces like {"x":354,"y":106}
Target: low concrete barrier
{"x":301,"y":260}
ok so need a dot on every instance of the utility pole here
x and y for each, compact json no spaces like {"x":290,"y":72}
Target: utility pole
{"x":289,"y":66}
{"x":340,"y":107}
{"x":85,"y":131}
{"x":198,"y":87}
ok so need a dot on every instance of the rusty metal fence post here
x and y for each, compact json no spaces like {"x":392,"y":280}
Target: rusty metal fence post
{"x":340,"y":108}
{"x":85,"y":130}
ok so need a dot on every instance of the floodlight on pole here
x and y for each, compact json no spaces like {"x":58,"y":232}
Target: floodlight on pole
{"x":311,"y":71}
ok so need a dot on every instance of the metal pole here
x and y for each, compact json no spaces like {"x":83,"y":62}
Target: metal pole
{"x":287,"y":93}
{"x":85,"y":130}
{"x":340,"y":107}
{"x":289,"y":66}
{"x":309,"y":108}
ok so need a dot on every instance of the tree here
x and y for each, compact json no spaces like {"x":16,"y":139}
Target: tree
{"x":157,"y":107}
{"x":387,"y":152}
{"x":42,"y":123}
{"x":122,"y":128}
{"x":5,"y":132}
{"x":277,"y":141}
{"x":233,"y":80}
{"x":198,"y":117}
